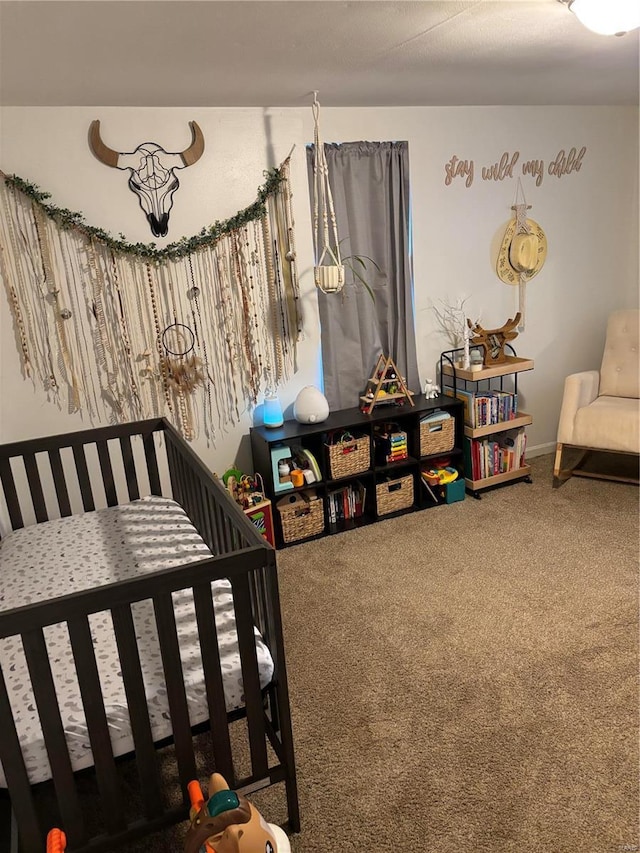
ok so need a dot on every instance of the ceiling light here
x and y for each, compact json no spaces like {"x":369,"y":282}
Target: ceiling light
{"x":610,"y":18}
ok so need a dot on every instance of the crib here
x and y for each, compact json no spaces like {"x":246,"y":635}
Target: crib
{"x":198,"y":573}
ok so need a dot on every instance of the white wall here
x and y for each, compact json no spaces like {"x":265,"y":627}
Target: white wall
{"x":590,"y":218}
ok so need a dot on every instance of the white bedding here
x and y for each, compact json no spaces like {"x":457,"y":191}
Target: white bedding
{"x":53,"y":558}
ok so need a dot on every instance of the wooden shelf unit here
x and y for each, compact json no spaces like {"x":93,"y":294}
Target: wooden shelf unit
{"x":458,"y":377}
{"x":313,"y":437}
{"x":521,"y":419}
{"x":513,"y":364}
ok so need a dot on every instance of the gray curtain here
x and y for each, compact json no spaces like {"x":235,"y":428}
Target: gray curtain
{"x":370,"y":186}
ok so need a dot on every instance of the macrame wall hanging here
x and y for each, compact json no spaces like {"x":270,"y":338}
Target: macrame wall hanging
{"x":122,"y":331}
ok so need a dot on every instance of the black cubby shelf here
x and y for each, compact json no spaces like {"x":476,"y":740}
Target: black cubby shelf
{"x":379,"y":491}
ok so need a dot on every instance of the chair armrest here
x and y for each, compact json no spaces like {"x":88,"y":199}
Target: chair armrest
{"x":580,"y":389}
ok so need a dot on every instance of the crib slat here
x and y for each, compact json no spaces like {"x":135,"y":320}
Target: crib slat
{"x":106,"y":470}
{"x":177,"y":482}
{"x":214,"y":544}
{"x":146,"y":758}
{"x":35,"y":487}
{"x":191,"y":510}
{"x":83,"y":477}
{"x":250,"y":677}
{"x":96,"y":719}
{"x":210,"y":652}
{"x":59,"y":482}
{"x":35,"y":650}
{"x":10,"y":494}
{"x":226,"y":530}
{"x":205,"y":518}
{"x":15,"y":772}
{"x":129,"y":468}
{"x":152,"y":464}
{"x":189,"y":504}
{"x":283,"y":710}
{"x":172,"y":666}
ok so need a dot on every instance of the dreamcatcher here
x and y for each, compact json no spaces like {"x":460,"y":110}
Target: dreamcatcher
{"x":182,"y":371}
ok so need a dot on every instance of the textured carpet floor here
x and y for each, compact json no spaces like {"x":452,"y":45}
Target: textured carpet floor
{"x":465,"y":678}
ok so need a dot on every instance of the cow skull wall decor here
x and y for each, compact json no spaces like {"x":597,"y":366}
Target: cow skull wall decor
{"x":152,"y":172}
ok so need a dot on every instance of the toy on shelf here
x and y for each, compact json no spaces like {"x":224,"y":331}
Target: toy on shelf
{"x":431,"y":390}
{"x":449,"y":486}
{"x":248,"y":493}
{"x":228,"y":823}
{"x":243,"y":488}
{"x":390,"y":444}
{"x":281,"y":467}
{"x":439,"y":476}
{"x":385,"y":386}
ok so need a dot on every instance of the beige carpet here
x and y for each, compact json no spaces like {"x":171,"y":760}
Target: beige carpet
{"x":465,"y":678}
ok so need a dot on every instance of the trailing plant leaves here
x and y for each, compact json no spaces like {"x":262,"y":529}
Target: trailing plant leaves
{"x":208,"y":236}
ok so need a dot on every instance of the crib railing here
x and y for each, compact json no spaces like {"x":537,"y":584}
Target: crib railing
{"x":126,"y":461}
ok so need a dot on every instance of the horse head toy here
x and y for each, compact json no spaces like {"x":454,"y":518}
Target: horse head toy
{"x":228,"y":823}
{"x":225,"y":823}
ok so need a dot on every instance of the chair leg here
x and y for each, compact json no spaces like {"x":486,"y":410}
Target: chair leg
{"x":560,"y":475}
{"x":576,"y":457}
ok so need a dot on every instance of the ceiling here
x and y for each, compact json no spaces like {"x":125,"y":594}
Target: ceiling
{"x":170,"y":53}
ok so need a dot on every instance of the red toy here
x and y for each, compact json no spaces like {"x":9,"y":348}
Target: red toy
{"x":56,"y":841}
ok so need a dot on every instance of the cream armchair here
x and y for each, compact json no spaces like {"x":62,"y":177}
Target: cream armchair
{"x":601,"y":409}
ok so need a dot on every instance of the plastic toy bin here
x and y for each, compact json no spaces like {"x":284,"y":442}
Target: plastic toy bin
{"x":454,"y":491}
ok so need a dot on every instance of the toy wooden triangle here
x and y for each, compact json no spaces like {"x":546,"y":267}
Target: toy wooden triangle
{"x":385,"y":386}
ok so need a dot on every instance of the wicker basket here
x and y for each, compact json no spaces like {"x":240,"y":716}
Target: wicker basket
{"x":300,"y":516}
{"x":437,"y":436}
{"x":393,"y":495}
{"x":348,"y":456}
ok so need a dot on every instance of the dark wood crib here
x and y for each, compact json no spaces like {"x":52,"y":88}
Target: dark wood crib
{"x":151,"y":458}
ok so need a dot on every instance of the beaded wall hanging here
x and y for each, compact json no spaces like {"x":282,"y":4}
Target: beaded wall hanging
{"x":193,"y":331}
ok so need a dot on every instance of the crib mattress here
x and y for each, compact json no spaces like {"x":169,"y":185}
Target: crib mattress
{"x":91,"y":549}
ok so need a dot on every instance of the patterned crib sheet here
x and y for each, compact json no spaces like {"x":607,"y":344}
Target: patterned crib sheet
{"x":91,"y":549}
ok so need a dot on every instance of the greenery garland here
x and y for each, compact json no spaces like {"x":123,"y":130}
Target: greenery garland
{"x":67,"y":219}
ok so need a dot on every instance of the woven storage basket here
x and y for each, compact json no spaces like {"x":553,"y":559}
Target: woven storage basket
{"x":301,"y":518}
{"x":393,"y":495}
{"x":437,"y":436}
{"x":348,"y":456}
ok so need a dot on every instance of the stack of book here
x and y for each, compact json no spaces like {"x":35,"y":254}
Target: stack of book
{"x":495,"y":454}
{"x":482,"y":408}
{"x":346,"y":503}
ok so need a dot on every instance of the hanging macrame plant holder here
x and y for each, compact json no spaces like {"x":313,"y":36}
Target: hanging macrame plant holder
{"x":329,"y":277}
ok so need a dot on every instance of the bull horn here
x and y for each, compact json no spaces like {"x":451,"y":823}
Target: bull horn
{"x":194,"y":151}
{"x":105,"y":154}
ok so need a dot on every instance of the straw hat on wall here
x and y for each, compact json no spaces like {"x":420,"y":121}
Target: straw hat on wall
{"x":521,"y":252}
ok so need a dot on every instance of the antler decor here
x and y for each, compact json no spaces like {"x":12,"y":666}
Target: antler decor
{"x":493,"y":340}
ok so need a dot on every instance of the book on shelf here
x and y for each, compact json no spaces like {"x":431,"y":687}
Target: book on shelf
{"x":495,"y":454}
{"x":484,"y":408}
{"x":346,"y":502}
